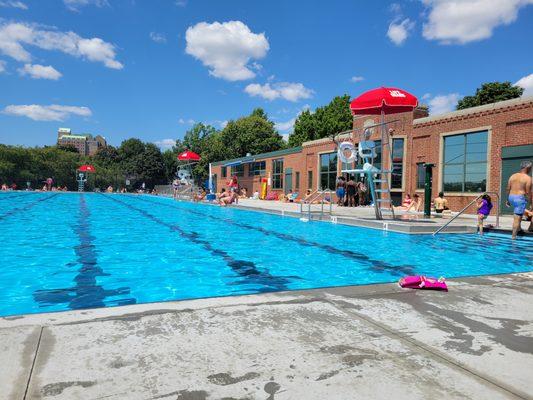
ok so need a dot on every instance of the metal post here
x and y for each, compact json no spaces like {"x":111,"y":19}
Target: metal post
{"x":427,"y":189}
{"x":210,"y":179}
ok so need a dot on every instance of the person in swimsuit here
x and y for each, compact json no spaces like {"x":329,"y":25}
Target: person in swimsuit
{"x":340,"y":190}
{"x":519,"y":190}
{"x":351,"y":190}
{"x":484,"y":206}
{"x":440,"y":203}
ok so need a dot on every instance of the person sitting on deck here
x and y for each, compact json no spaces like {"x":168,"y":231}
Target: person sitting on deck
{"x":243,"y":194}
{"x":414,"y":204}
{"x":227,"y":198}
{"x":200,"y":195}
{"x":407,"y":201}
{"x":291,"y":196}
{"x":440,"y":203}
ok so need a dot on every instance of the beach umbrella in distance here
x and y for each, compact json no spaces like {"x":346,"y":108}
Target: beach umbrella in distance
{"x":383,"y":100}
{"x":87,"y":168}
{"x":188,"y":155}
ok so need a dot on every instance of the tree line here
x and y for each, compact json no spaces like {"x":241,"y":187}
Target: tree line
{"x":139,"y":162}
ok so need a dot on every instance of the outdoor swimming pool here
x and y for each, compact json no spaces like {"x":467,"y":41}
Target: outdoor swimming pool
{"x":64,"y":251}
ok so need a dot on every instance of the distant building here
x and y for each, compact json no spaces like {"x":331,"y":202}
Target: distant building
{"x":85,"y":143}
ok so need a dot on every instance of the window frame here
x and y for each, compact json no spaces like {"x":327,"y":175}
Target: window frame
{"x":277,"y":174}
{"x":331,"y":186}
{"x":297,"y":180}
{"x":465,"y":163}
{"x":254,"y":171}
{"x":234,"y":172}
{"x":422,"y":165}
{"x":402,"y":165}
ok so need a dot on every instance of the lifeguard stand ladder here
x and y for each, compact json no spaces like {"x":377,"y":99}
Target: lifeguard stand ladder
{"x":380,"y":193}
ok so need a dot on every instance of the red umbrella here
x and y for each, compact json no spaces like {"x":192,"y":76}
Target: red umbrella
{"x":383,"y":101}
{"x":188,"y":156}
{"x":87,"y":168}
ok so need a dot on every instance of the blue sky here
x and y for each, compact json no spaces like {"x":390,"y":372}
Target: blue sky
{"x":151,"y":68}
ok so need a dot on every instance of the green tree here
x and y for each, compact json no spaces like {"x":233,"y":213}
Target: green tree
{"x":254,"y":134}
{"x":328,"y":120}
{"x":490,"y":93}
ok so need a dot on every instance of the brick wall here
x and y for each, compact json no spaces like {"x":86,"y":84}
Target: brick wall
{"x":510,"y":124}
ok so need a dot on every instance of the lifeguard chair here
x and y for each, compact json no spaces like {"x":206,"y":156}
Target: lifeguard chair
{"x":380,"y":101}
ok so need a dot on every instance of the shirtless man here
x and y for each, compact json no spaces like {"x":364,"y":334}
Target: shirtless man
{"x":519,"y":190}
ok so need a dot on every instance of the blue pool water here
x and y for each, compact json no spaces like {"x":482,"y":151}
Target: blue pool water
{"x":64,"y":251}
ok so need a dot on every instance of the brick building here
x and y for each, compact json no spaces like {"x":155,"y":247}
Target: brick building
{"x":473,"y":150}
{"x":85,"y":143}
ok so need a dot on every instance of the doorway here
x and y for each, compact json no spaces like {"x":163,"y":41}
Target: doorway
{"x":288,"y":180}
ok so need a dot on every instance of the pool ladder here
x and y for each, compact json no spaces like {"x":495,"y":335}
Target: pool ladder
{"x":317,"y":196}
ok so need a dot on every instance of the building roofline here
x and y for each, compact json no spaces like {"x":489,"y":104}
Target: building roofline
{"x":73,"y":136}
{"x":473,"y":110}
{"x":260,"y":156}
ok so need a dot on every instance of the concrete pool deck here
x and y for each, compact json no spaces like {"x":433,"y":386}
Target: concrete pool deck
{"x":354,"y":342}
{"x":364,"y":217}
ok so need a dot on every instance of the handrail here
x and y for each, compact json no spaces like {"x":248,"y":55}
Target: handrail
{"x":468,"y":205}
{"x":314,"y":196}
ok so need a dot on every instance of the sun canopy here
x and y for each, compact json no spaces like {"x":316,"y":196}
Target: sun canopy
{"x":383,"y":100}
{"x":188,"y":156}
{"x":240,"y":162}
{"x":87,"y":168}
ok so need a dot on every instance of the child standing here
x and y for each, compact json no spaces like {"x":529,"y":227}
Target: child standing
{"x":484,"y":205}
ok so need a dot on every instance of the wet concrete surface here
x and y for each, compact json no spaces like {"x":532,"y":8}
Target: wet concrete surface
{"x":357,"y":342}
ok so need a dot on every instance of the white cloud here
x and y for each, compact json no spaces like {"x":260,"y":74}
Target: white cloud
{"x":284,"y":90}
{"x":165,"y":144}
{"x":285,"y":126}
{"x":54,"y":112}
{"x":37,"y":71}
{"x":14,"y":35}
{"x":158,"y":37}
{"x":13,"y":4}
{"x":464,"y":21}
{"x":186,"y":122}
{"x":226,"y":48}
{"x":2,"y":66}
{"x":223,"y":124}
{"x":527,"y":83}
{"x":181,"y":3}
{"x":399,"y":31}
{"x":356,"y":79}
{"x":441,"y":104}
{"x":74,"y":5}
{"x":289,"y":125}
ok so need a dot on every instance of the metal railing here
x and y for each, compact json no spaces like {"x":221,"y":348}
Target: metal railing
{"x":313,"y":198}
{"x":469,"y":205}
{"x":184,"y":192}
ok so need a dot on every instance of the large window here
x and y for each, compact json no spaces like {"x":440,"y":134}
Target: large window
{"x":465,"y":162}
{"x":310,"y":180}
{"x":237,"y":170}
{"x":420,"y":175}
{"x":297,"y":181}
{"x":397,"y":163}
{"x":258,"y":168}
{"x":328,"y":171}
{"x":277,"y":174}
{"x":224,"y":172}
